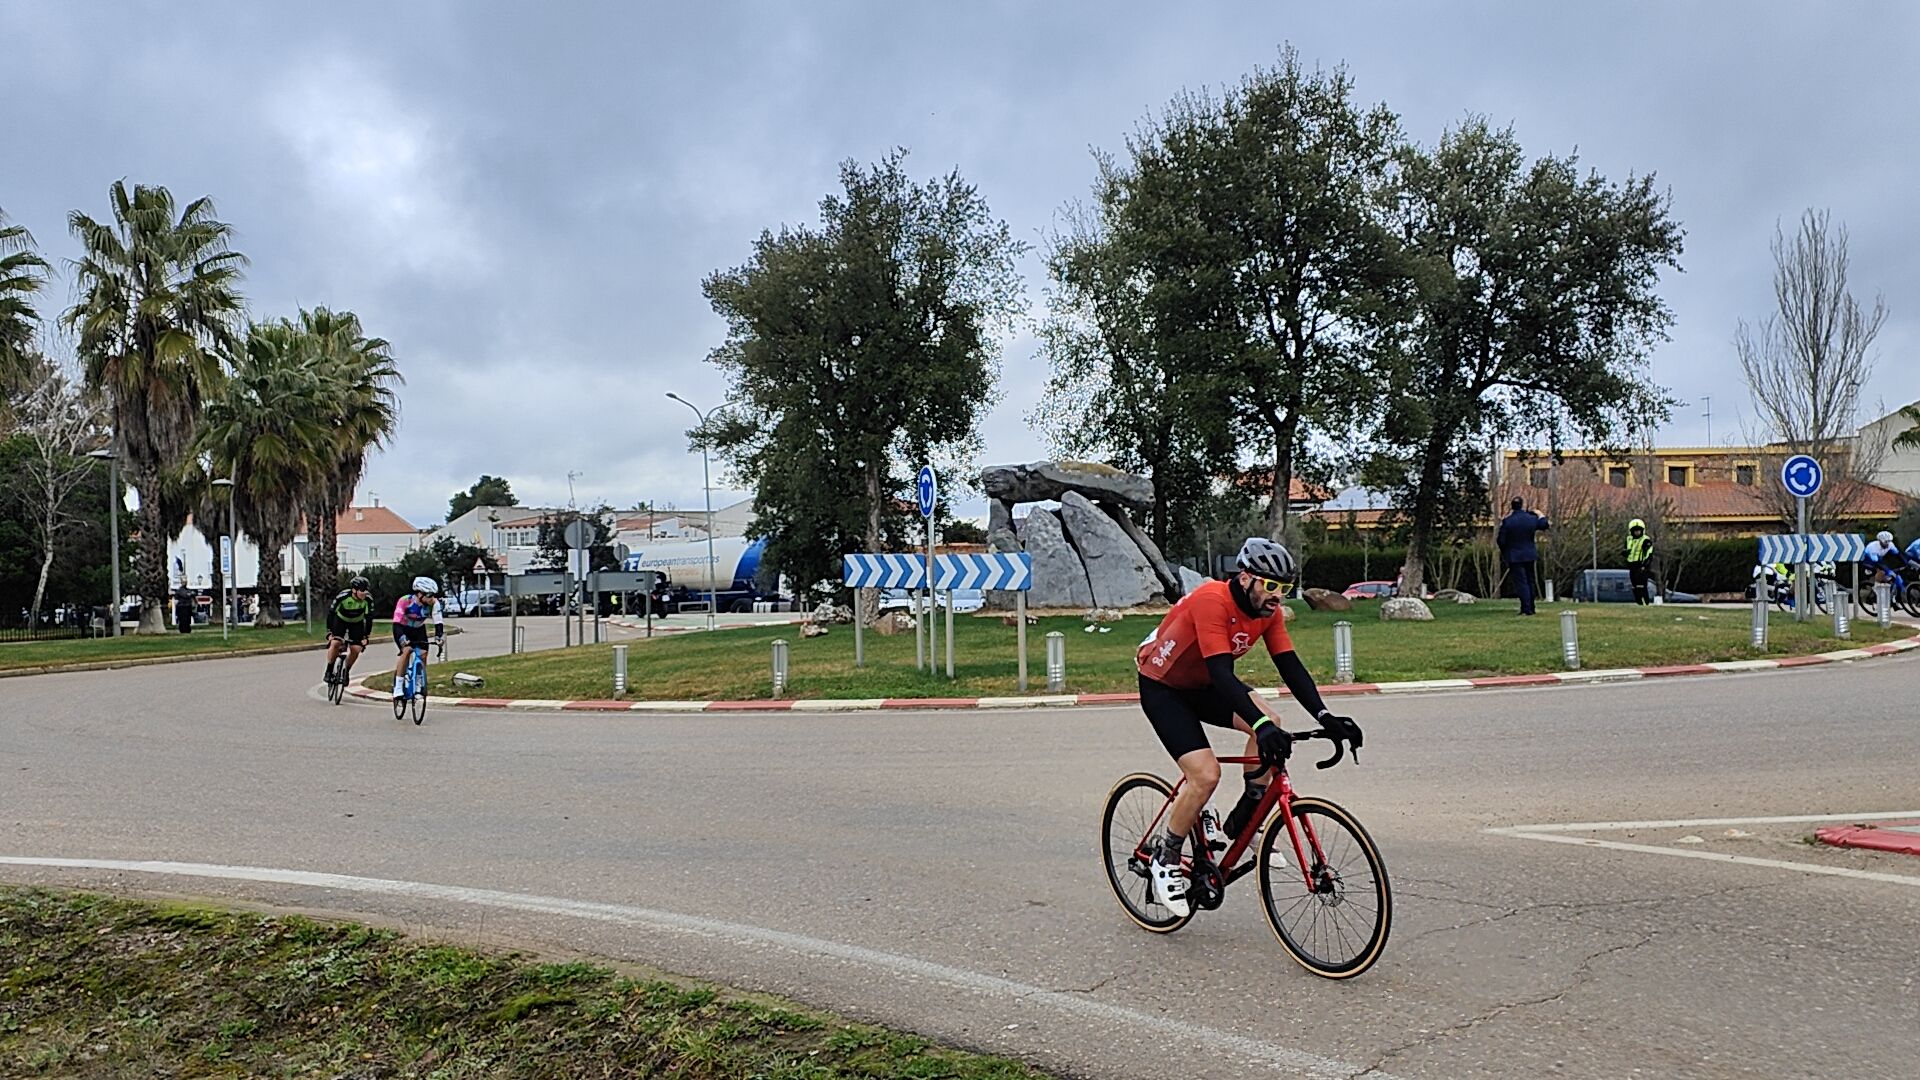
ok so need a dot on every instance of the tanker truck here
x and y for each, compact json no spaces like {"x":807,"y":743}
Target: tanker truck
{"x":731,"y":571}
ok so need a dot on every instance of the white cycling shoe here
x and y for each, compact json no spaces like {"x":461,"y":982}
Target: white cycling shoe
{"x":398,"y":693}
{"x":1169,"y":887}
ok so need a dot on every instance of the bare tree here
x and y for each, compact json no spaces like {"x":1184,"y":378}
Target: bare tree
{"x":62,"y":423}
{"x":1807,"y":361}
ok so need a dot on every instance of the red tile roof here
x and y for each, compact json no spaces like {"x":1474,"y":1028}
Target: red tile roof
{"x":370,"y":519}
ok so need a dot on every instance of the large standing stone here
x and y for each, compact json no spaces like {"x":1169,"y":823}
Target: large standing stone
{"x":1045,"y":480}
{"x":1059,"y":577}
{"x":1116,"y":567}
{"x":1325,"y":600}
{"x":1190,"y":579}
{"x":1002,"y":539}
{"x":1169,"y":581}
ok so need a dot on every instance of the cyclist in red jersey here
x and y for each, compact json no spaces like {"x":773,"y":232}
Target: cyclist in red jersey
{"x":1187,"y":680}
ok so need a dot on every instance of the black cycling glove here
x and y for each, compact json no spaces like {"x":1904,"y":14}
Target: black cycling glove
{"x":1275,"y":744}
{"x":1343,"y":728}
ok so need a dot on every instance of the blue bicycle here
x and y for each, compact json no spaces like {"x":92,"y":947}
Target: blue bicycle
{"x":1904,"y":591}
{"x":413,"y":688}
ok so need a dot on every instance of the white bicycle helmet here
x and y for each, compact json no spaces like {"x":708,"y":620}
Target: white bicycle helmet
{"x":426,"y":585}
{"x":1268,"y":559}
{"x":1885,"y":537}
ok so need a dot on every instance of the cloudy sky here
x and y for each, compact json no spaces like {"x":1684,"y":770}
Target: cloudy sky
{"x":524,"y":197}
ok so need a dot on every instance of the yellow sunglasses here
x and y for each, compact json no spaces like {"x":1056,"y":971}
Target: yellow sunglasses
{"x":1272,"y":585}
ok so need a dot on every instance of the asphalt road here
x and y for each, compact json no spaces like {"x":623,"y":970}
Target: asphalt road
{"x":938,"y":871}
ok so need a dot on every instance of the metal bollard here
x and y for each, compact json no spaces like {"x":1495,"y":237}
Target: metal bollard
{"x":519,"y":639}
{"x":1760,"y":621}
{"x":1883,"y":603}
{"x":779,"y":666}
{"x":1056,"y":661}
{"x":1570,"y":639}
{"x":1842,"y":615}
{"x":1550,"y":598}
{"x":619,"y":669}
{"x":1343,"y":652}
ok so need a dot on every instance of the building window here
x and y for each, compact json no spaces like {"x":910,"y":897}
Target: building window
{"x":1617,"y":475}
{"x":374,"y":553}
{"x":1538,"y":477}
{"x":1677,"y":475}
{"x":1743,"y":475}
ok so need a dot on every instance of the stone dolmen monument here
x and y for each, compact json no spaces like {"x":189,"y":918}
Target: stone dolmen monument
{"x":1088,"y":554}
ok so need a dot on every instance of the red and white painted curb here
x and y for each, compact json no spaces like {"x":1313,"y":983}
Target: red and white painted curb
{"x":1556,"y":678}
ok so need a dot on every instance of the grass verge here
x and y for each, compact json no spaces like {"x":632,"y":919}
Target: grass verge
{"x":1463,"y":641}
{"x":202,"y":642}
{"x":106,"y":987}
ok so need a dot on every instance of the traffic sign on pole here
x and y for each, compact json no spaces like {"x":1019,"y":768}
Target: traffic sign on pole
{"x":928,"y":487}
{"x":1801,"y":476}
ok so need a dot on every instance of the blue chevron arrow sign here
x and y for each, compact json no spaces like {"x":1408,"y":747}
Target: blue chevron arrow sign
{"x":871,"y":571}
{"x":999,"y":571}
{"x":1812,"y":547}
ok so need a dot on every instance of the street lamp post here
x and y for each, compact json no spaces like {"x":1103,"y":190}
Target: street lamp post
{"x":228,"y":571}
{"x":706,"y":486}
{"x":113,"y":533}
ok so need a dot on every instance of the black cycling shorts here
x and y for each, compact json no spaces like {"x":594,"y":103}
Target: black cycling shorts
{"x":354,"y":633}
{"x":404,"y":635}
{"x":1177,"y":714}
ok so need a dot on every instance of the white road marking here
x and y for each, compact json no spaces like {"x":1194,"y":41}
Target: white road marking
{"x":1276,"y":1058}
{"x":1418,"y":686}
{"x":1601,"y":675}
{"x":1556,"y":833}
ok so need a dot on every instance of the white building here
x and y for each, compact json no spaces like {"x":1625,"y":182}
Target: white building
{"x":367,"y":536}
{"x":1898,"y":469}
{"x":372,"y":536}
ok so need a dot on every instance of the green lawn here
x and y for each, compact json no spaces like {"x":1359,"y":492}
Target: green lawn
{"x":203,"y":641}
{"x":1462,"y":641}
{"x":101,"y":987}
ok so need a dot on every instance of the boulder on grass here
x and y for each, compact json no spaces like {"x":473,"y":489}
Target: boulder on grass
{"x":894,"y":622}
{"x":1404,"y":608}
{"x":1324,"y":600}
{"x":813,"y":629}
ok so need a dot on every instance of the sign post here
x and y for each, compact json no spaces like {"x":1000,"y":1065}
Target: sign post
{"x":306,"y":574}
{"x":1801,"y":476}
{"x":226,"y":583}
{"x":576,"y":537}
{"x":927,"y":486}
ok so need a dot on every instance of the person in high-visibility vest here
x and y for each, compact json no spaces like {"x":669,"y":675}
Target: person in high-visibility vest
{"x":1639,"y":555}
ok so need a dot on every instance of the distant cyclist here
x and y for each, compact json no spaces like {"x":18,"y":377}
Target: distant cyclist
{"x":410,"y":615}
{"x":1883,"y":557}
{"x":349,"y":624}
{"x":1187,"y":679}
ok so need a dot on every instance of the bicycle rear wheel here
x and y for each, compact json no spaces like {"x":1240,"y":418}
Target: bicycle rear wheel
{"x":1132,"y":808}
{"x":1338,"y":928}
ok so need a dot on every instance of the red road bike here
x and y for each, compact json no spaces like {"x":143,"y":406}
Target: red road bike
{"x":1324,"y":886}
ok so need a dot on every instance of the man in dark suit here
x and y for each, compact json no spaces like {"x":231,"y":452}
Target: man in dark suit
{"x":1517,"y":550}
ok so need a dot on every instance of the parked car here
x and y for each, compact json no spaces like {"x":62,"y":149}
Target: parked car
{"x":1615,"y":587}
{"x":1369,"y":590}
{"x":471,"y":602}
{"x":964,"y":600}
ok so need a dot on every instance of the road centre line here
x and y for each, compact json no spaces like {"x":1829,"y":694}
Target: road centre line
{"x":1274,"y":1057}
{"x":1557,"y":834}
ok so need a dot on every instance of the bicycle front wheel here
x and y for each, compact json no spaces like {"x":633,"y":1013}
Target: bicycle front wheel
{"x":1337,"y":927}
{"x":1133,"y":806}
{"x":419,"y":691}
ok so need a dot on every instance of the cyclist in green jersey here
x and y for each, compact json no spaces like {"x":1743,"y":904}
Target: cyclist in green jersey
{"x":349,"y":622}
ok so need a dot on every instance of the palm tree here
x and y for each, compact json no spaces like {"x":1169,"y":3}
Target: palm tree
{"x":22,"y":273}
{"x":365,"y":411}
{"x":158,"y":303}
{"x":1910,"y":438}
{"x":272,"y":428}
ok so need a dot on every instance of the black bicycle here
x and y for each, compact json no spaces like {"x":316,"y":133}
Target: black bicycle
{"x":339,"y":671}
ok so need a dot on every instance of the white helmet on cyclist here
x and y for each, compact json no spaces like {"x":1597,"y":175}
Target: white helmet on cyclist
{"x":1262,"y":556}
{"x":1885,"y":537}
{"x":426,"y":585}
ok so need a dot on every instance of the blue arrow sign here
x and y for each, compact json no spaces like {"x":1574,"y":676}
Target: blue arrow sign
{"x":883,"y":571}
{"x":928,"y":487}
{"x":1801,"y":476}
{"x":1010,"y":572}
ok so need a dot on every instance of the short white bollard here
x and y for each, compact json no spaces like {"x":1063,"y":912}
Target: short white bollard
{"x":519,"y":639}
{"x":779,"y":666}
{"x":1550,"y":598}
{"x":1760,"y":621}
{"x":619,"y":669}
{"x":1842,"y":615}
{"x":1570,"y":639}
{"x":1883,"y":603}
{"x":1056,"y":661}
{"x":1343,"y":652}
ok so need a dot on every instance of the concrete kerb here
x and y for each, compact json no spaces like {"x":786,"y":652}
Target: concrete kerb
{"x":832,"y":705}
